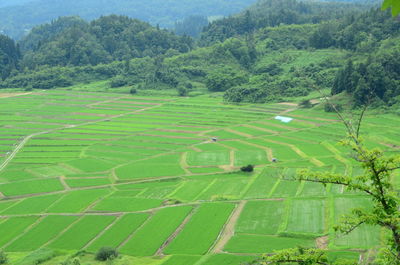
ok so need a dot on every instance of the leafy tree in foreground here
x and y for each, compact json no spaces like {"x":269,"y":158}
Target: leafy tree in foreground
{"x":394,"y":4}
{"x":376,"y":182}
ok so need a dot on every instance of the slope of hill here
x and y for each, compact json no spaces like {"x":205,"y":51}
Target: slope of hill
{"x":272,"y":13}
{"x":255,"y":65}
{"x":17,"y":20}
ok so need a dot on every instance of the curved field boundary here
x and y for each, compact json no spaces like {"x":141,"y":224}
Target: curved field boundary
{"x":11,"y":95}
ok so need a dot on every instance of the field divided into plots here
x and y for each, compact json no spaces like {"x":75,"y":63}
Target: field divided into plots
{"x":144,"y":175}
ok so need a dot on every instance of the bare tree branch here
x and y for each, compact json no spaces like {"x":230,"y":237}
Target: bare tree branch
{"x":360,"y":119}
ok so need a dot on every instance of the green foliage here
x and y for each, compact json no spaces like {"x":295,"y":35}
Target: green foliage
{"x":118,"y":81}
{"x":377,"y":78}
{"x":191,"y":26}
{"x":51,"y":77}
{"x":9,"y":56}
{"x":248,"y":168}
{"x":273,"y":13}
{"x":260,"y":59}
{"x":3,"y":257}
{"x":71,"y":41}
{"x":297,"y":255}
{"x":182,"y":91}
{"x":133,"y":91}
{"x":158,"y":12}
{"x":393,"y":4}
{"x":333,"y":108}
{"x":225,"y":78}
{"x":306,"y":104}
{"x":106,"y":253}
{"x":376,"y":181}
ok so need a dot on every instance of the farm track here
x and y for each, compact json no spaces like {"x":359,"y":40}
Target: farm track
{"x":64,"y":183}
{"x":11,"y":95}
{"x":63,"y":231}
{"x":137,"y":229}
{"x":103,"y":231}
{"x":27,"y":138}
{"x":37,"y":222}
{"x":183,"y":163}
{"x":19,"y":147}
{"x":229,"y":229}
{"x":152,"y":210}
{"x":176,"y":233}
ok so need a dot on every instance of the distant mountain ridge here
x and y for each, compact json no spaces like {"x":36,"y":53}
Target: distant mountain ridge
{"x":19,"y":16}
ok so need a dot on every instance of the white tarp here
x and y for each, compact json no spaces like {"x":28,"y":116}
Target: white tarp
{"x":283,"y":119}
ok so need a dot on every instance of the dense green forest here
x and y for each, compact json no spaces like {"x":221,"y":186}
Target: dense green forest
{"x":72,"y":41}
{"x":18,"y":19}
{"x":9,"y":56}
{"x":271,"y":51}
{"x":272,"y":13}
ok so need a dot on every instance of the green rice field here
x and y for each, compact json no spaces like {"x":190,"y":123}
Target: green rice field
{"x":82,"y":170}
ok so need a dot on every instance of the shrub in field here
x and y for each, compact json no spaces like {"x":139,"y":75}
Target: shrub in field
{"x":248,"y":168}
{"x":106,"y":253}
{"x":118,"y":81}
{"x":133,"y":91}
{"x":3,"y":258}
{"x":182,"y":91}
{"x":306,"y":104}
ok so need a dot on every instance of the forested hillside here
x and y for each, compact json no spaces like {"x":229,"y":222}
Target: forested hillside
{"x":272,"y":13}
{"x":18,"y":20}
{"x":72,"y":41}
{"x":9,"y":56}
{"x":271,"y":51}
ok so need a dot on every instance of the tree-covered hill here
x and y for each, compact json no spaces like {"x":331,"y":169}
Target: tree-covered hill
{"x":255,"y":64}
{"x":272,"y":13}
{"x":73,"y":41}
{"x":18,"y":20}
{"x":9,"y":56}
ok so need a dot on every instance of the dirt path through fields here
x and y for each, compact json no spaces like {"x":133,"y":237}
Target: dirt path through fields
{"x":183,"y":163}
{"x":176,"y":233}
{"x":103,"y":231}
{"x":229,"y":229}
{"x":27,"y":138}
{"x":135,"y":232}
{"x":10,"y":95}
{"x":38,"y":221}
{"x":18,"y":148}
{"x":64,"y":183}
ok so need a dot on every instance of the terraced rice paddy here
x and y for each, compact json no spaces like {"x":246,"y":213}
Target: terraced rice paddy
{"x":142,"y":174}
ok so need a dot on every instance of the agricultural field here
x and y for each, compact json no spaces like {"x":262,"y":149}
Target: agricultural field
{"x":143,"y":174}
